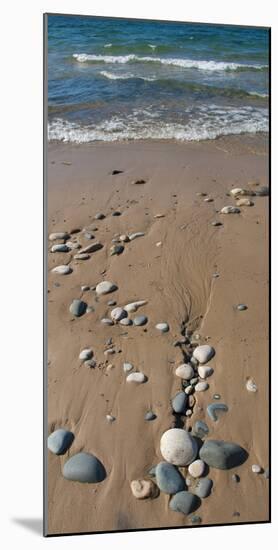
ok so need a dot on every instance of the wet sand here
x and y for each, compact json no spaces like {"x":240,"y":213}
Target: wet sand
{"x":177,"y":280}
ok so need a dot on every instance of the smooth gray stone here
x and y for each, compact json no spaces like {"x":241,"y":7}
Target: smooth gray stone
{"x":200,"y":429}
{"x":152,"y":471}
{"x":112,"y":303}
{"x":78,"y":308}
{"x":99,"y":216}
{"x":84,"y":467}
{"x":60,"y":441}
{"x":126,"y":322}
{"x":116,"y":213}
{"x":241,"y":307}
{"x":150,"y":415}
{"x":179,"y":402}
{"x":116,"y":249}
{"x":262,"y":192}
{"x":222,"y":454}
{"x":213,"y":408}
{"x":168,"y":478}
{"x":216,"y":224}
{"x":184,"y":502}
{"x":140,"y":320}
{"x":196,"y":520}
{"x":203,"y":487}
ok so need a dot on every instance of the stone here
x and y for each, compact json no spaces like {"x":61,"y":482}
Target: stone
{"x":99,"y":216}
{"x":73,"y":245}
{"x":81,"y":256}
{"x":216,"y":224}
{"x":144,"y":488}
{"x":77,"y":308}
{"x":85,"y":468}
{"x":189,"y":412}
{"x":205,"y":372}
{"x":222,"y":454}
{"x":196,"y":520}
{"x":116,"y":249}
{"x":110,"y":418}
{"x":244,"y":202}
{"x":60,"y":248}
{"x":109,"y":351}
{"x":106,"y":321}
{"x":85,"y":288}
{"x":203,"y":487}
{"x":62,"y":269}
{"x":118,"y":313}
{"x":126,"y":322}
{"x":162,"y":327}
{"x":200,"y":429}
{"x":93,"y":247}
{"x":241,"y":307}
{"x":138,"y":182}
{"x":208,"y":199}
{"x":251,"y":385}
{"x":59,"y":442}
{"x":201,"y":386}
{"x":127,"y":367}
{"x":262,"y":192}
{"x":105,"y":287}
{"x":111,"y":303}
{"x":237,"y":191}
{"x":197,"y":468}
{"x":61,"y":235}
{"x":230,"y":210}
{"x":216,"y":396}
{"x":124,"y":238}
{"x":184,"y":502}
{"x":186,"y":372}
{"x":133,"y":236}
{"x":87,"y":235}
{"x":256,"y":469}
{"x":189,"y":389}
{"x":179,"y":402}
{"x":149,"y":416}
{"x":85,"y":354}
{"x":168,"y":478}
{"x":157,"y":216}
{"x":204,"y":353}
{"x":213,"y":408}
{"x":90,"y":364}
{"x":178,"y":447}
{"x":194,"y":381}
{"x":116,"y":213}
{"x":136,"y":377}
{"x":235,"y":478}
{"x":158,"y":244}
{"x":115,"y":172}
{"x":133,"y":306}
{"x":140,"y":320}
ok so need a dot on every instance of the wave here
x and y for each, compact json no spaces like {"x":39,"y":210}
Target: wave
{"x":127,"y":76}
{"x":176,"y":62}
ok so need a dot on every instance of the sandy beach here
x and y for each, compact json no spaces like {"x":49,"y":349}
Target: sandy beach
{"x":192,"y":275}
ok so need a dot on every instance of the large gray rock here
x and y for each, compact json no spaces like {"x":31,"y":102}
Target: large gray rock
{"x":169,"y":479}
{"x":184,"y":502}
{"x":178,"y":447}
{"x":60,"y":441}
{"x":84,"y":467}
{"x":78,"y":308}
{"x":222,"y":454}
{"x":179,"y":402}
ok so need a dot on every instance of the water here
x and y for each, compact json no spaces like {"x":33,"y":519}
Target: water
{"x":115,"y":79}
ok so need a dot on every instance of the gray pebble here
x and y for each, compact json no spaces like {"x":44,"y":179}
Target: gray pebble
{"x":241,"y":307}
{"x":140,"y":320}
{"x":84,"y":467}
{"x":169,"y":479}
{"x":203,"y":487}
{"x":150,"y":415}
{"x":222,"y":454}
{"x":78,"y":308}
{"x":112,"y":303}
{"x":60,"y":441}
{"x":184,"y":502}
{"x":179,"y":403}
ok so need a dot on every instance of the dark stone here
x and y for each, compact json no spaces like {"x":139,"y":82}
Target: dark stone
{"x":168,"y":478}
{"x":78,"y":308}
{"x":184,"y":502}
{"x":200,"y":429}
{"x":59,"y":442}
{"x":179,"y":402}
{"x":222,"y":454}
{"x":115,"y":172}
{"x":84,"y":467}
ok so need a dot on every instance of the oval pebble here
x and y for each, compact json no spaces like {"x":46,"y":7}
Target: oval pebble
{"x":127,"y":367}
{"x":85,"y":468}
{"x":162,"y":327}
{"x":203,"y":487}
{"x":118,"y":313}
{"x":136,"y":235}
{"x":59,"y":442}
{"x":106,"y":321}
{"x":179,"y":402}
{"x":78,"y":308}
{"x":81,"y":256}
{"x":105,"y":287}
{"x":200,"y":429}
{"x":59,"y":235}
{"x":256,"y":469}
{"x":62,"y":269}
{"x":241,"y":307}
{"x":140,"y":320}
{"x":186,"y":372}
{"x":201,"y":386}
{"x":149,"y":416}
{"x":178,"y":447}
{"x":99,"y":216}
{"x":85,"y":354}
{"x":91,"y":248}
{"x":60,"y":248}
{"x":126,"y":322}
{"x":136,"y":377}
{"x":204,"y":353}
{"x":196,"y":468}
{"x":116,"y":249}
{"x":184,"y":502}
{"x":222,"y":454}
{"x":169,"y":479}
{"x":205,"y":372}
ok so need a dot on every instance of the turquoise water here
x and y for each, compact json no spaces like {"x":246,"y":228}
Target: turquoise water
{"x":115,"y":79}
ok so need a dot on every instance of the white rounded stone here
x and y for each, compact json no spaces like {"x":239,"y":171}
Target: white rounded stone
{"x":186,"y":372}
{"x":62,"y":269}
{"x":237,"y":191}
{"x":178,"y":447}
{"x":203,"y":353}
{"x":251,"y":385}
{"x":58,"y":235}
{"x":196,"y":468}
{"x":163,"y":327}
{"x":118,"y":313}
{"x":85,"y":354}
{"x":127,"y":367}
{"x":133,"y":306}
{"x":256,"y":469}
{"x":201,"y":386}
{"x":205,"y":372}
{"x":136,"y":377}
{"x":105,"y":287}
{"x":230,"y":210}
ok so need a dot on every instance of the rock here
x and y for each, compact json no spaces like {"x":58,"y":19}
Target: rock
{"x":205,"y":372}
{"x":266,"y":473}
{"x":230,"y":210}
{"x":144,"y":488}
{"x":184,"y":502}
{"x":236,"y":191}
{"x":163,"y":327}
{"x":81,"y":256}
{"x":85,"y":355}
{"x":140,"y":320}
{"x":216,"y":396}
{"x":115,"y":172}
{"x":186,"y":372}
{"x":59,"y":442}
{"x":124,"y":238}
{"x":93,"y":247}
{"x":90,"y":364}
{"x":216,"y":224}
{"x":222,"y":454}
{"x":213,"y":408}
{"x":136,"y":235}
{"x":116,"y":249}
{"x":256,"y":469}
{"x":110,"y":418}
{"x":133,"y":306}
{"x":189,"y":389}
{"x":84,"y":467}
{"x":109,"y":351}
{"x":87,"y":235}
{"x":126,"y":322}
{"x":127,"y":367}
{"x":118,"y":313}
{"x":73,"y":245}
{"x":178,"y":447}
{"x":77,"y":308}
{"x":62,"y":235}
{"x":208,"y":199}
{"x":62,"y":269}
{"x":99,"y":216}
{"x":111,"y":303}
{"x":203,"y":487}
{"x":179,"y":402}
{"x":196,"y":520}
{"x":60,"y":248}
{"x":244,"y":202}
{"x":196,"y":468}
{"x":157,"y":216}
{"x":116,"y":213}
{"x":106,"y":321}
{"x":158,"y":244}
{"x":201,"y":386}
{"x":204,"y":353}
{"x":138,"y":182}
{"x":136,"y":377}
{"x":235,"y":478}
{"x":251,"y":385}
{"x":85,"y":288}
{"x":105,"y":287}
{"x":262,"y":192}
{"x":241,"y":307}
{"x":200,"y":429}
{"x":189,"y":412}
{"x":149,"y":416}
{"x":168,"y":478}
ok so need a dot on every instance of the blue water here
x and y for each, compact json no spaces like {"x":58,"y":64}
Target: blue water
{"x":115,"y":79}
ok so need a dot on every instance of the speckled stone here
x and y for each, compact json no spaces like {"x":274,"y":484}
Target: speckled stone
{"x":186,"y":372}
{"x":178,"y":447}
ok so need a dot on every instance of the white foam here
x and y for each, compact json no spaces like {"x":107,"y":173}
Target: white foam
{"x":127,"y":76}
{"x":108,"y":45}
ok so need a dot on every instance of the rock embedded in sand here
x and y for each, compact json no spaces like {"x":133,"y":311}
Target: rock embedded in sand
{"x":241,"y":307}
{"x":62,"y":235}
{"x":196,"y":468}
{"x":85,"y":468}
{"x":105,"y":287}
{"x":133,"y":306}
{"x":60,"y":248}
{"x":78,"y":308}
{"x":90,"y":364}
{"x":244,"y":202}
{"x":116,"y":249}
{"x":251,"y":385}
{"x":110,"y":418}
{"x":216,"y":224}
{"x":111,"y":303}
{"x":256,"y":469}
{"x":118,"y":313}
{"x":136,"y":378}
{"x":201,"y":386}
{"x":230,"y":210}
{"x":184,"y":502}
{"x":149,"y":416}
{"x":106,"y":321}
{"x":81,"y":256}
{"x":140,"y":320}
{"x":99,"y":216}
{"x":116,"y":213}
{"x":205,"y":372}
{"x":127,"y":367}
{"x":213,"y":408}
{"x":222,"y":454}
{"x":73,"y":245}
{"x":124,"y":238}
{"x":91,"y":248}
{"x":144,"y":488}
{"x":62,"y":269}
{"x":162,"y":327}
{"x":200,"y":429}
{"x":204,"y":353}
{"x":169,"y":479}
{"x":178,"y":447}
{"x":138,"y":182}
{"x":179,"y":402}
{"x":203,"y":487}
{"x":59,"y":442}
{"x":133,"y":236}
{"x":186,"y":372}
{"x":85,"y":354}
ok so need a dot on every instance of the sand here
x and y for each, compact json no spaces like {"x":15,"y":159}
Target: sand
{"x":176,"y":280}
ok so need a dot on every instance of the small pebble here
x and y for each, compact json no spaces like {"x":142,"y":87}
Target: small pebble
{"x":105,"y":287}
{"x":116,"y":249}
{"x":251,"y":385}
{"x":62,"y":269}
{"x":256,"y":469}
{"x":136,"y":235}
{"x":216,"y":224}
{"x":77,"y":308}
{"x":99,"y":216}
{"x":204,"y":353}
{"x":196,"y":468}
{"x":179,"y":402}
{"x":59,"y":235}
{"x":241,"y":307}
{"x":60,"y":248}
{"x":116,"y":213}
{"x":111,"y":303}
{"x":150,"y":415}
{"x":203,"y":487}
{"x":136,"y":377}
{"x":85,"y":354}
{"x":216,"y":396}
{"x":127,"y":367}
{"x":110,"y":418}
{"x":201,"y":386}
{"x":126,"y":322}
{"x":118,"y":313}
{"x":196,"y":520}
{"x":230,"y":210}
{"x":205,"y":372}
{"x":200,"y":429}
{"x":106,"y":321}
{"x":144,"y":488}
{"x":140,"y":320}
{"x":163,"y":327}
{"x":85,"y":288}
{"x":91,"y":248}
{"x":81,"y":256}
{"x":91,"y":364}
{"x":213,"y":408}
{"x":235,"y":478}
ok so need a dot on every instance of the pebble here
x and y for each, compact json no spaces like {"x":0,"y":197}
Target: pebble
{"x":262,"y":192}
{"x":91,"y":248}
{"x":244,"y":202}
{"x":73,"y":245}
{"x":144,"y":488}
{"x":81,"y":256}
{"x":222,"y":454}
{"x":213,"y":408}
{"x":205,"y":372}
{"x":84,"y":467}
{"x":216,"y":396}
{"x":110,"y":418}
{"x":115,"y":172}
{"x":189,"y":412}
{"x":85,"y":354}
{"x":99,"y":216}
{"x":184,"y":502}
{"x":85,"y":288}
{"x":235,"y":478}
{"x":59,"y":442}
{"x":159,"y":243}
{"x":58,"y":235}
{"x":136,"y":235}
{"x":186,"y":372}
{"x":216,"y":224}
{"x":200,"y":429}
{"x":124,"y":238}
{"x":163,"y":327}
{"x":179,"y":403}
{"x":196,"y":468}
{"x":138,"y":182}
{"x":194,"y":381}
{"x":136,"y":377}
{"x":256,"y":469}
{"x":189,"y":389}
{"x":203,"y":487}
{"x":62,"y":269}
{"x":116,"y":249}
{"x":208,"y":199}
{"x":178,"y":447}
{"x":196,"y":520}
{"x":140,"y":320}
{"x":149,"y":416}
{"x":116,"y":213}
{"x":60,"y":248}
{"x":127,"y":367}
{"x":118,"y":313}
{"x":105,"y":287}
{"x":230,"y":210}
{"x":111,"y":303}
{"x":126,"y":322}
{"x":87,"y":235}
{"x":241,"y":307}
{"x":201,"y":386}
{"x":106,"y":321}
{"x":169,"y":479}
{"x":109,"y":351}
{"x":90,"y":364}
{"x":77,"y":308}
{"x":251,"y":385}
{"x":204,"y":353}
{"x":133,"y":306}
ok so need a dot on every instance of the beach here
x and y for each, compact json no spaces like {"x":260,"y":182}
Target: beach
{"x":192,"y":276}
